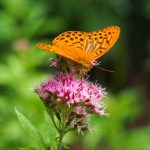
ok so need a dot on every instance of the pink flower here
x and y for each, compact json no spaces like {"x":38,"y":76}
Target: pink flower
{"x":73,"y":91}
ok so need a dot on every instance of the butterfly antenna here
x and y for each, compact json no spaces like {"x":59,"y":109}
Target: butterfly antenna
{"x":105,"y":69}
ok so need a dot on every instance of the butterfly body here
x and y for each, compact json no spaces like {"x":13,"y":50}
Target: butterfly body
{"x":83,"y":47}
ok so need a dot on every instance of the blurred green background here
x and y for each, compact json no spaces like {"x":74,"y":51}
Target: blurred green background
{"x":23,"y":23}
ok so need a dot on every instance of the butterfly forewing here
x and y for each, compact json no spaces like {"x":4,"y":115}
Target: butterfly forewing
{"x":71,"y":38}
{"x":102,"y":41}
{"x":72,"y":41}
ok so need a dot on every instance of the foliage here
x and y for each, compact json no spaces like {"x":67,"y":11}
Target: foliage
{"x":25,"y":23}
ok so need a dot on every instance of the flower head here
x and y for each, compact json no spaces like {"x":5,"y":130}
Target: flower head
{"x":78,"y":96}
{"x":67,"y":88}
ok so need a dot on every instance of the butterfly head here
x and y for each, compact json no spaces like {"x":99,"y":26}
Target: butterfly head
{"x":89,"y":65}
{"x":86,"y":66}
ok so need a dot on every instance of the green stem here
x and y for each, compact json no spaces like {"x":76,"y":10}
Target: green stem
{"x":52,"y":118}
{"x":62,"y":132}
{"x":61,"y":135}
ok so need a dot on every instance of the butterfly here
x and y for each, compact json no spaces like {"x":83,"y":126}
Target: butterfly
{"x":83,"y":47}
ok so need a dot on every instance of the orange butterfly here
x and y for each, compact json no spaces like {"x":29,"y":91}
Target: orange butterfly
{"x":83,"y":47}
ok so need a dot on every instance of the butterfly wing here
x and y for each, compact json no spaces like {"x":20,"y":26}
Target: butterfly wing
{"x":68,"y":44}
{"x":99,"y":42}
{"x":58,"y":50}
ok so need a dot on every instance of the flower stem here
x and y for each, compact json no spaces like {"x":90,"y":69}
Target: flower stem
{"x":61,"y":135}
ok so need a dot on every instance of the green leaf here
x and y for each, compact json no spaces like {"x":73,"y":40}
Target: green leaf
{"x":36,"y":138}
{"x":51,"y":131}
